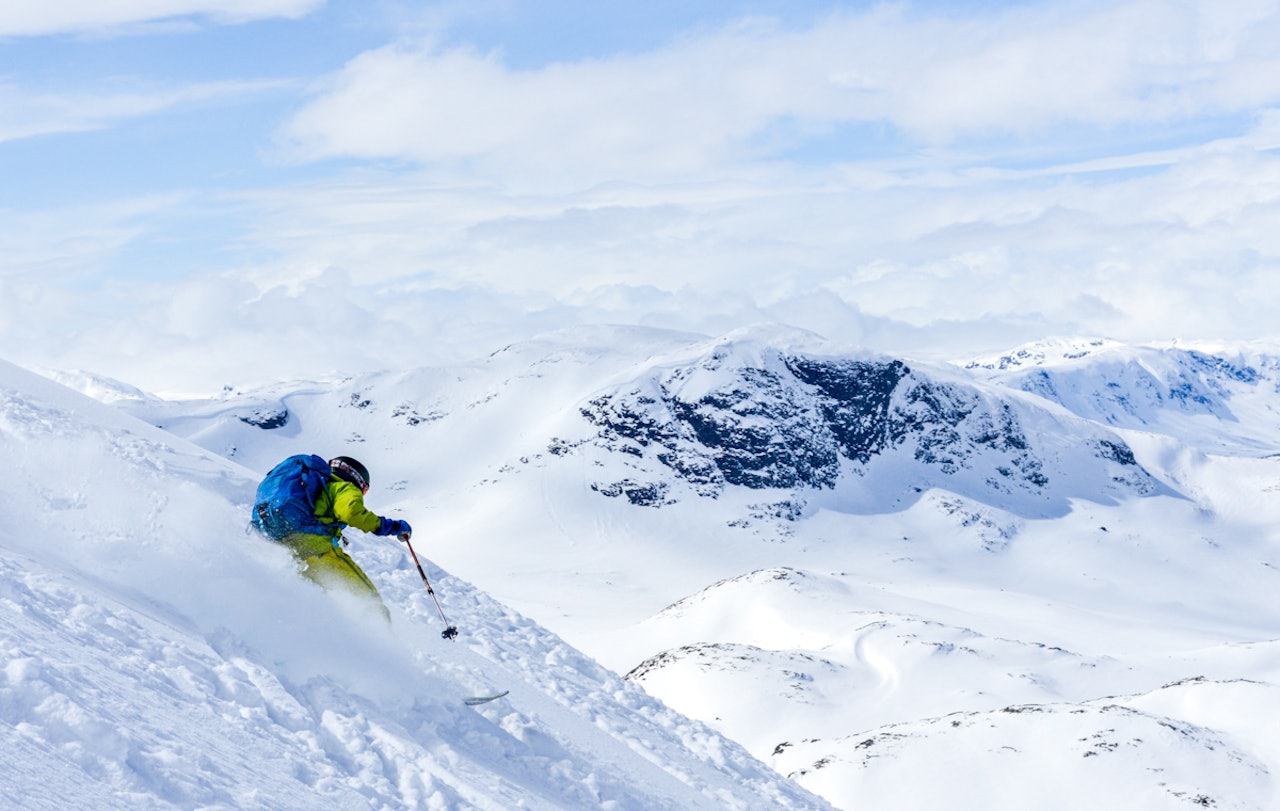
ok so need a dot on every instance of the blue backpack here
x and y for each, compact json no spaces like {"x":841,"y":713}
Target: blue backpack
{"x":286,"y":499}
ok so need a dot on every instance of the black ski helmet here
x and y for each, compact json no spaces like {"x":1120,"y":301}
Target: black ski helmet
{"x":348,"y":469}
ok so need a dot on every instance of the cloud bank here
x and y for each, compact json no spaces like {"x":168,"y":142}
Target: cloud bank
{"x":936,"y":182}
{"x":713,"y":101}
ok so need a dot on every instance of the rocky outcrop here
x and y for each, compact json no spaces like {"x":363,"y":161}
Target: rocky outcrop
{"x":774,"y":420}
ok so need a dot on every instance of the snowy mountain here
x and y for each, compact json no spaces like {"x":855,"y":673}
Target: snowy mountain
{"x":154,"y":655}
{"x":865,"y":432}
{"x":1221,"y":399}
{"x":1044,"y":580}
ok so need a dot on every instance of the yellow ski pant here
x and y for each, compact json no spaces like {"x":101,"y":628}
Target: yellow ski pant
{"x":328,"y":566}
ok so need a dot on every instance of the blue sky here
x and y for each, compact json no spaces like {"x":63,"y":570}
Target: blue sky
{"x":187,"y":181}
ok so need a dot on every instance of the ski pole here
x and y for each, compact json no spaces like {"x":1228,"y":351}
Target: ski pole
{"x":450,"y":631}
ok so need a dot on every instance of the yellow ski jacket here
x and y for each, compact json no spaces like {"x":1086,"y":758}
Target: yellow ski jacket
{"x":341,"y":504}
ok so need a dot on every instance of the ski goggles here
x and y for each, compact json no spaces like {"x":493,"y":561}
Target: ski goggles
{"x":356,"y":478}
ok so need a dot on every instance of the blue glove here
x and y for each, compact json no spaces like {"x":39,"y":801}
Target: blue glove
{"x":395,"y":527}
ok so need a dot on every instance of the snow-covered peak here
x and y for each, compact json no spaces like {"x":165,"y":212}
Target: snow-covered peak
{"x":1050,"y":352}
{"x":99,"y":387}
{"x":752,"y":415}
{"x":1214,"y":400}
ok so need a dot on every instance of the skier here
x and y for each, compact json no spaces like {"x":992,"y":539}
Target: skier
{"x":305,"y":503}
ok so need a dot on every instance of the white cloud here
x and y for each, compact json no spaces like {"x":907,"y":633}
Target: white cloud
{"x":696,"y":104}
{"x":379,"y":270}
{"x":24,"y":114}
{"x":78,"y":16}
{"x":1157,"y":253}
{"x":72,"y":244}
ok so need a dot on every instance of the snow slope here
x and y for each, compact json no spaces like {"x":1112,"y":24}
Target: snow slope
{"x":1222,"y":399}
{"x":154,"y":655}
{"x":810,"y":548}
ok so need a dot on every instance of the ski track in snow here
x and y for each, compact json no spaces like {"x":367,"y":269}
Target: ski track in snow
{"x":883,"y":666}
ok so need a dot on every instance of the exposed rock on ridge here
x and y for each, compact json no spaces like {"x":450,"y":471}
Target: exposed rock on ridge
{"x":768,"y":419}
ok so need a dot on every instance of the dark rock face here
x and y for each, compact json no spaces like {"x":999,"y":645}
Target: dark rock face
{"x":266,"y":419}
{"x":638,"y":493}
{"x":760,"y":432}
{"x":949,"y":425}
{"x":854,"y":397}
{"x":797,"y":422}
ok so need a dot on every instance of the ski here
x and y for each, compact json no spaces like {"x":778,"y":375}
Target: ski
{"x":474,"y":700}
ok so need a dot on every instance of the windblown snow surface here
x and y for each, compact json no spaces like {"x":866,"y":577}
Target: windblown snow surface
{"x":154,"y":655}
{"x":1041,"y":580}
